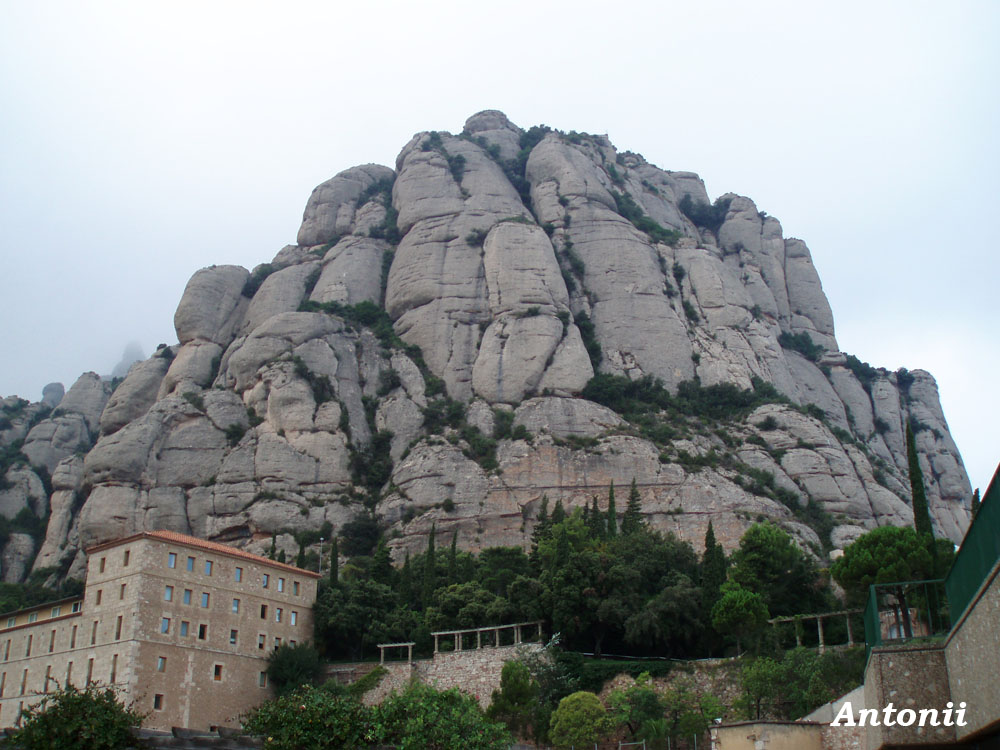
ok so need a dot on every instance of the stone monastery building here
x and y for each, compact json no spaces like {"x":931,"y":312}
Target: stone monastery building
{"x":182,"y":627}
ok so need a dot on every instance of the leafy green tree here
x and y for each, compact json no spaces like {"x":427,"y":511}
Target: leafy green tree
{"x":689,"y":713}
{"x":453,"y":558}
{"x":541,"y":531}
{"x":289,"y":667}
{"x":515,"y":702}
{"x":334,"y":562}
{"x":381,"y":568}
{"x":88,"y":719}
{"x":578,"y":720}
{"x":498,"y":567}
{"x":635,"y":705}
{"x":769,"y":563}
{"x":670,"y":619}
{"x":352,"y":616}
{"x":761,"y":683}
{"x":739,"y":612}
{"x":596,"y":522}
{"x":466,"y":605}
{"x":921,"y":513}
{"x":558,"y":514}
{"x":632,"y":521}
{"x":423,"y":718}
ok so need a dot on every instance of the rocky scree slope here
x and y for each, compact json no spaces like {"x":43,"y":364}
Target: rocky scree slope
{"x":418,"y":357}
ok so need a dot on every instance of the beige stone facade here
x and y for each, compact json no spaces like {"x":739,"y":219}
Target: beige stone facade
{"x":182,"y":627}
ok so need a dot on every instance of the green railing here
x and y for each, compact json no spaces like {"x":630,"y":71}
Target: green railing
{"x":904,"y":611}
{"x":978,"y":554}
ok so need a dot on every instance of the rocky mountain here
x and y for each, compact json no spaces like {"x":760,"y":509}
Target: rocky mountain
{"x":423,"y":352}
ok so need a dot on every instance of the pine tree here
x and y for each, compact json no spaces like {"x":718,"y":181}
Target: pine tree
{"x":430,"y":577}
{"x":974,"y":508}
{"x":382,"y":564}
{"x":632,"y":521}
{"x":921,"y":514}
{"x":453,"y":559}
{"x":558,"y":513}
{"x":713,"y":569}
{"x":334,"y":563}
{"x":612,"y":514}
{"x":272,"y":553}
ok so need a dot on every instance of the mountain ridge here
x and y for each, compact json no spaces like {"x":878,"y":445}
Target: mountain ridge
{"x":463,"y":301}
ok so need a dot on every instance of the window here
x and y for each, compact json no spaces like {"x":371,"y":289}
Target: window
{"x":277,"y":614}
{"x":121,"y":593}
{"x":69,"y":676}
{"x":168,"y":593}
{"x":233,"y":637}
{"x":125,"y":557}
{"x":295,"y":588}
{"x":260,"y":641}
{"x":204,"y":599}
{"x":291,"y":643}
{"x":75,"y":608}
{"x":6,"y":651}
{"x":202,"y":632}
{"x":165,"y":625}
{"x":114,"y":667}
{"x":263,"y":611}
{"x":277,"y":643}
{"x":56,"y":611}
{"x":24,"y":680}
{"x":33,"y":617}
{"x":190,"y":563}
{"x":172,"y":560}
{"x":3,"y":682}
{"x":48,"y":676}
{"x":72,"y":638}
{"x":93,"y":634}
{"x":11,"y":621}
{"x":184,"y":627}
{"x":161,"y":664}
{"x":217,"y":673}
{"x":100,"y":567}
{"x":239,"y":575}
{"x":90,"y":671}
{"x":100,"y":595}
{"x":52,"y":641}
{"x":281,"y":584}
{"x":236,"y":606}
{"x":118,"y":628}
{"x":262,"y":679}
{"x":264,"y":580}
{"x":187,"y":596}
{"x":27,"y":651}
{"x":208,"y":567}
{"x":295,"y":617}
{"x":158,"y":702}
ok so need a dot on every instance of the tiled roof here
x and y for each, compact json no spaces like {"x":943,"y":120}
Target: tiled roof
{"x":202,"y":544}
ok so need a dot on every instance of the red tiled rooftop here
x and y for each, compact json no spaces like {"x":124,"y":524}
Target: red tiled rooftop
{"x":202,"y":544}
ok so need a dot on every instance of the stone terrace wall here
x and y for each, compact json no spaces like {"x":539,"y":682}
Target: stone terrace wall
{"x":474,"y":671}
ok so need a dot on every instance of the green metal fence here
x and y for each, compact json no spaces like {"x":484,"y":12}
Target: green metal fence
{"x":978,"y":554}
{"x":902,"y":611}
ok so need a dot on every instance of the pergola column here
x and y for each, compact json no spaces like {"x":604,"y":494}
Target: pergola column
{"x":517,"y":634}
{"x":409,"y":653}
{"x":819,"y":629}
{"x":850,"y":636}
{"x":435,"y":643}
{"x":479,"y":639}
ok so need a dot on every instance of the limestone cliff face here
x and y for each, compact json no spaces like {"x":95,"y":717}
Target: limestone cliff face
{"x":498,"y":268}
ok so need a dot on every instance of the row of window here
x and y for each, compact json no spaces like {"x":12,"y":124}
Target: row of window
{"x":125,"y":560}
{"x":265,"y":578}
{"x":185,"y":631}
{"x":54,"y":612}
{"x":51,"y":681}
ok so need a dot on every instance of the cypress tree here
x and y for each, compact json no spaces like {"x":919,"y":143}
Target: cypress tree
{"x":430,"y":564}
{"x":453,"y":558}
{"x":595,"y":521}
{"x":974,"y":508}
{"x":382,"y":564}
{"x":713,"y":569}
{"x":921,"y":514}
{"x":539,"y":533}
{"x":558,"y":513}
{"x":406,"y":581}
{"x":334,"y":563}
{"x":281,"y":556}
{"x":272,"y":554}
{"x":612,"y":514}
{"x":632,"y":521}
{"x":300,"y":561}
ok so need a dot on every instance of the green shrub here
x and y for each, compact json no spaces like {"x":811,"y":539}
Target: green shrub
{"x":88,"y":719}
{"x":589,"y":336}
{"x":476,"y":237}
{"x":631,"y":210}
{"x":260,"y":273}
{"x":194,"y":399}
{"x":704,"y":215}
{"x":388,"y":381}
{"x":802,"y":343}
{"x":235,"y":433}
{"x":443,"y":412}
{"x":310,"y":719}
{"x":689,"y":312}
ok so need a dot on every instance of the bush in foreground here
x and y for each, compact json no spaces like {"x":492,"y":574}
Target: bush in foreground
{"x":88,"y":719}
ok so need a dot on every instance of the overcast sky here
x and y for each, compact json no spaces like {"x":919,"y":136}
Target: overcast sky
{"x":140,"y":141}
